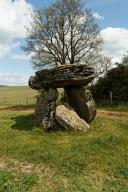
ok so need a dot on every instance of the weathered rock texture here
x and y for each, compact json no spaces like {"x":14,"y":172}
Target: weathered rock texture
{"x":72,"y":78}
{"x":82,"y":102}
{"x":69,"y":120}
{"x":46,"y":108}
{"x":63,"y":76}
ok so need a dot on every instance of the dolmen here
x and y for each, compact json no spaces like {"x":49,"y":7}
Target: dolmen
{"x":78,"y":107}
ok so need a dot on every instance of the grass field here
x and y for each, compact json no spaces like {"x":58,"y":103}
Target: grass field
{"x":118,"y":107}
{"x":11,"y":96}
{"x":32,"y":160}
{"x":24,"y":96}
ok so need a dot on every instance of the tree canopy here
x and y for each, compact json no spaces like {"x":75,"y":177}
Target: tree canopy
{"x":115,"y":81}
{"x":125,"y":59}
{"x":65,"y":33}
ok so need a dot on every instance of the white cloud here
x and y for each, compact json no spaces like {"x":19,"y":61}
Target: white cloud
{"x":4,"y":50}
{"x":10,"y":79}
{"x":115,"y":42}
{"x":98,"y":16}
{"x":95,"y":15}
{"x":21,"y":57}
{"x":83,"y":18}
{"x":14,"y":16}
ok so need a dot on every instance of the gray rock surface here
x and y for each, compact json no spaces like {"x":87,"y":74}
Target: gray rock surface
{"x":63,"y":76}
{"x":46,"y":107}
{"x":82,"y":102}
{"x":72,"y":78}
{"x":69,"y":120}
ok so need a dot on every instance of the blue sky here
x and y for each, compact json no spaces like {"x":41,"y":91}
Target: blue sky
{"x":15,"y":67}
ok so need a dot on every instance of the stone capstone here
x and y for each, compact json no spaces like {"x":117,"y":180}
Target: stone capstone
{"x":68,"y":119}
{"x":63,"y":76}
{"x":46,"y":107}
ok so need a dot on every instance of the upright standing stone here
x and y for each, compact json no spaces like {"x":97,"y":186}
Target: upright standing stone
{"x":46,"y":108}
{"x":82,"y":102}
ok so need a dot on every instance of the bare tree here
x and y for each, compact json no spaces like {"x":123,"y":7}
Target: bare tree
{"x":65,"y":33}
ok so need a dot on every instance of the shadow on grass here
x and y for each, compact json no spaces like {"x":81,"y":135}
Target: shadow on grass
{"x":24,"y":122}
{"x":28,"y":122}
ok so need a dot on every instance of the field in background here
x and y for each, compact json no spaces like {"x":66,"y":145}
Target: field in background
{"x":24,"y":96}
{"x":11,"y":96}
{"x":113,"y":107}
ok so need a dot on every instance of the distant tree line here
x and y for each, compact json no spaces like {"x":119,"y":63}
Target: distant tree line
{"x":113,"y":86}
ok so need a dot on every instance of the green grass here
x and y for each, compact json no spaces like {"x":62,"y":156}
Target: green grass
{"x":121,"y":107}
{"x":9,"y":183}
{"x":24,"y":96}
{"x":34,"y":160}
{"x":11,"y":96}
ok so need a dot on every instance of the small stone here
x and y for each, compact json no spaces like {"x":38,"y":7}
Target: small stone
{"x":68,"y":119}
{"x":62,"y":76}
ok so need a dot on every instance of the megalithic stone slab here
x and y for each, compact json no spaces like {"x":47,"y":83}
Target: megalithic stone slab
{"x":72,"y":78}
{"x":63,"y":76}
{"x":68,"y":119}
{"x":82,"y":102}
{"x":46,"y":108}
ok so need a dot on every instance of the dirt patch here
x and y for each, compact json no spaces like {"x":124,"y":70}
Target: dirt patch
{"x":2,"y":164}
{"x":17,"y":109}
{"x":112,"y":113}
{"x":30,"y":109}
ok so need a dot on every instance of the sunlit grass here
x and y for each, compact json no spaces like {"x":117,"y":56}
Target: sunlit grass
{"x":32,"y":160}
{"x":62,"y":161}
{"x":11,"y":96}
{"x":121,"y":107}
